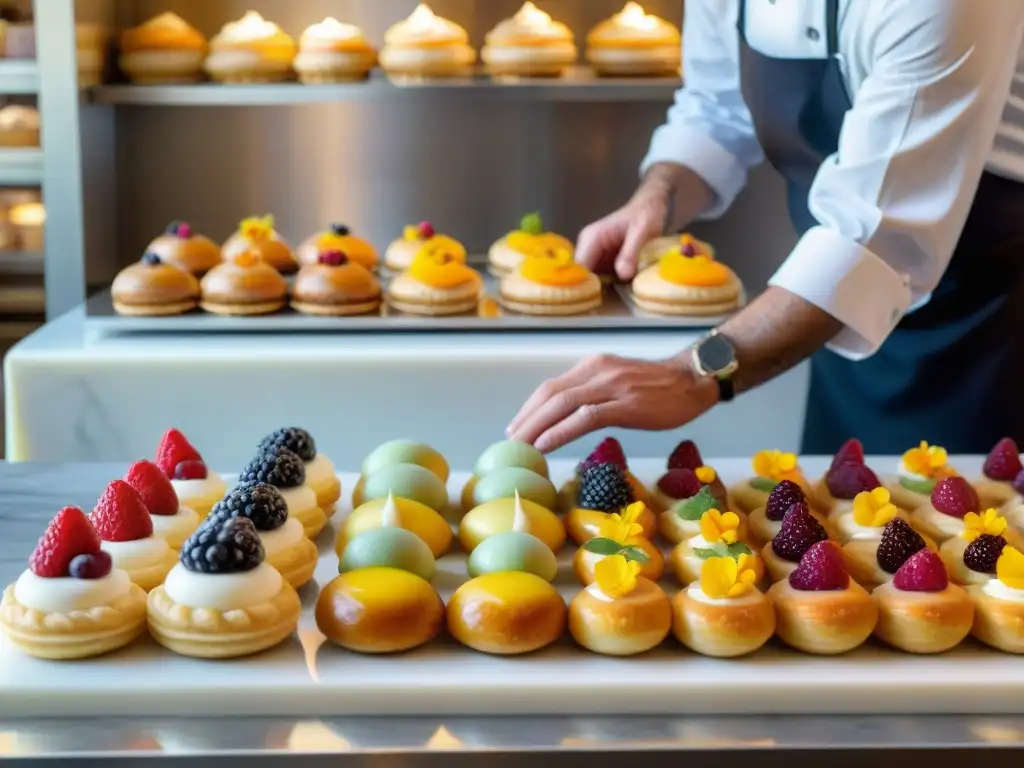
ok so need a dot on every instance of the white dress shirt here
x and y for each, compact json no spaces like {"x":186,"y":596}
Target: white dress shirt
{"x":938,"y":95}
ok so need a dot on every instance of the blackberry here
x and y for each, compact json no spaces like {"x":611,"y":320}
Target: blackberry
{"x":799,"y":532}
{"x":899,"y":541}
{"x":605,"y":488}
{"x":982,"y":553}
{"x":278,"y":467}
{"x":340,"y":230}
{"x":223,"y":546}
{"x":261,"y":503}
{"x":297,"y":440}
{"x":151,"y":259}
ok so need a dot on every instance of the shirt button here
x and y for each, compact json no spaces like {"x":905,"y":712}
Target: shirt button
{"x":813,"y":34}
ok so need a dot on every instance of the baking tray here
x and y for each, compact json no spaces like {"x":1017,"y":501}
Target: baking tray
{"x":307,"y":677}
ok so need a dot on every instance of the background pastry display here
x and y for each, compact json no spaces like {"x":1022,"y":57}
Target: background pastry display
{"x":333,"y":52}
{"x":19,"y":126}
{"x":250,"y":50}
{"x":529,"y":44}
{"x":685,"y":281}
{"x":437,"y":282}
{"x":551,"y":283}
{"x":634,"y":43}
{"x":508,"y":252}
{"x":154,"y":288}
{"x":182,"y":247}
{"x":243,"y":285}
{"x":427,"y":45}
{"x":164,"y":50}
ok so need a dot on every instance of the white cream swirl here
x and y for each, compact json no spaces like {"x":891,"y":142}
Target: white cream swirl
{"x":851,"y":530}
{"x":210,"y":487}
{"x":530,"y":21}
{"x":520,"y":520}
{"x":946,"y":524}
{"x":280,"y":539}
{"x":299,"y":499}
{"x":177,"y":526}
{"x":750,"y":598}
{"x":252,"y":26}
{"x":138,"y":554}
{"x":66,"y":595}
{"x":223,"y":591}
{"x":999,"y":590}
{"x":330,"y":30}
{"x":635,"y":18}
{"x":424,"y":26}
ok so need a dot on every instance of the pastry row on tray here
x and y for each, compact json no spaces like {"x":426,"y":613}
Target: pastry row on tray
{"x":920,"y":563}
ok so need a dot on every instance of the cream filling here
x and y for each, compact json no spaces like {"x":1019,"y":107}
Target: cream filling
{"x":162,"y":61}
{"x":222,"y":591}
{"x":211,"y":486}
{"x":300,"y":499}
{"x":948,"y":525}
{"x":554,"y":53}
{"x":411,"y":57}
{"x":630,"y":55}
{"x":317,"y":60}
{"x":285,"y":537}
{"x":177,"y":526}
{"x":320,"y":470}
{"x":750,"y":598}
{"x":999,"y":590}
{"x":249,"y":28}
{"x":66,"y":595}
{"x":233,"y":61}
{"x":137,"y":555}
{"x":904,"y":472}
{"x":854,"y":531}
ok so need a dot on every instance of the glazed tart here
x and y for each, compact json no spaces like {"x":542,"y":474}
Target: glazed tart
{"x":283,"y":469}
{"x":620,"y":534}
{"x":336,"y":287}
{"x":196,"y":486}
{"x":999,"y":604}
{"x":250,"y":50}
{"x":608,"y":451}
{"x":530,"y":44}
{"x":550,"y":283}
{"x":162,"y":51}
{"x":766,"y":522}
{"x":878,"y":538}
{"x":245,"y":286}
{"x":919,"y":470}
{"x":602,"y":489}
{"x":257,"y":235}
{"x":321,"y":474}
{"x":180,"y":246}
{"x":684,"y":284}
{"x":333,"y":52}
{"x":338,"y":238}
{"x":507,"y":254}
{"x":720,"y":536}
{"x":426,"y":45}
{"x":500,"y":516}
{"x":652,"y":251}
{"x":400,"y":252}
{"x":770,"y":469}
{"x":672,"y":488}
{"x":685,"y":499}
{"x":438,"y":282}
{"x":970,"y":557}
{"x":126,"y":532}
{"x":397,"y":512}
{"x":154,"y":288}
{"x":1002,"y":466}
{"x":171,"y":522}
{"x":634,"y":43}
{"x":942,"y":517}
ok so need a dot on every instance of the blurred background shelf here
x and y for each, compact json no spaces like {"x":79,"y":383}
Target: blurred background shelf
{"x":21,"y":299}
{"x":20,"y":263}
{"x":18,"y":77}
{"x":21,"y":167}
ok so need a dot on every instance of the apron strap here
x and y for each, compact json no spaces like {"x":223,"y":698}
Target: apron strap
{"x":832,"y":24}
{"x":741,"y":20}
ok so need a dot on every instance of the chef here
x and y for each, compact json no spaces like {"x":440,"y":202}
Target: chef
{"x":898,"y":126}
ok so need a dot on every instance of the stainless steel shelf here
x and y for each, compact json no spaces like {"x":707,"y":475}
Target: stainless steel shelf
{"x":21,"y":167}
{"x":579,"y":84}
{"x":21,"y":263}
{"x":18,"y":77}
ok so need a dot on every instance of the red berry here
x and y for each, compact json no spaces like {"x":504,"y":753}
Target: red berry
{"x":899,"y":541}
{"x":923,"y":572}
{"x":121,"y":514}
{"x":850,"y":452}
{"x":173,"y":450}
{"x":184,"y":230}
{"x":1003,"y":462}
{"x":798,"y":533}
{"x":68,"y":535}
{"x":782,"y":497}
{"x":955,"y":497}
{"x":685,"y":456}
{"x":608,"y":451}
{"x":679,"y":484}
{"x":153,"y":486}
{"x":821,"y":569}
{"x":333,"y":258}
{"x":190,"y":470}
{"x":426,"y":230}
{"x":847,"y":480}
{"x":91,"y":566}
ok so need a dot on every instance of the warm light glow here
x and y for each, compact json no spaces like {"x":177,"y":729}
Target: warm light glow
{"x":635,"y":17}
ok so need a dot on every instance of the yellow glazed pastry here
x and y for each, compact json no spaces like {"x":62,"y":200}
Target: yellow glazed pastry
{"x":321,"y":474}
{"x":723,"y":614}
{"x":878,"y":538}
{"x":507,"y":254}
{"x":19,"y":126}
{"x":181,"y":247}
{"x":250,"y":50}
{"x":426,"y":45}
{"x":402,"y":250}
{"x":620,"y":535}
{"x":499,"y":516}
{"x":971,"y":556}
{"x":397,"y":512}
{"x":999,"y":605}
{"x":1002,"y":467}
{"x":687,"y":282}
{"x":243,"y":286}
{"x":333,"y":52}
{"x":335,"y":287}
{"x":548,"y":282}
{"x":634,"y":42}
{"x":515,"y":550}
{"x":337,"y":239}
{"x":655,"y":249}
{"x":719,"y":537}
{"x":153,"y":288}
{"x":919,"y":470}
{"x":162,"y":51}
{"x":770,"y":469}
{"x":284,"y":469}
{"x":438,"y":282}
{"x":529,"y":44}
{"x":126,"y":532}
{"x":257,"y":234}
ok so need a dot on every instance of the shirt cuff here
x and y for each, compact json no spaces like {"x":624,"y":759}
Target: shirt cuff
{"x":852,"y":284}
{"x":719,"y":169}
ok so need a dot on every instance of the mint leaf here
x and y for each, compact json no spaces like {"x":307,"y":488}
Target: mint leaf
{"x":738,"y":548}
{"x":532,"y":224}
{"x":763,"y":484}
{"x":918,"y":486}
{"x":692,"y":509}
{"x":635,"y":554}
{"x":601,"y":546}
{"x":717,"y":551}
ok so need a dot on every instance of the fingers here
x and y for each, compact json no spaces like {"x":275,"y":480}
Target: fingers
{"x":636,"y":238}
{"x":549,"y":389}
{"x":559,"y":407}
{"x":580,"y":422}
{"x":598,"y":242}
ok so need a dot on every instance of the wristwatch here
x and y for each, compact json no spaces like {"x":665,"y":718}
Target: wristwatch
{"x":714,"y":357}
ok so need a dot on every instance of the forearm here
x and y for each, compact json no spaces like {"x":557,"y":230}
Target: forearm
{"x":687,"y":194}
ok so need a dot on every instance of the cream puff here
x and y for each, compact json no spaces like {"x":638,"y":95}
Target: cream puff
{"x":333,"y":52}
{"x":71,"y":603}
{"x":970,"y":557}
{"x":719,"y":537}
{"x":396,"y":512}
{"x":999,"y":604}
{"x":154,"y":288}
{"x":162,"y":51}
{"x":257,"y":235}
{"x":770,"y":469}
{"x":942,"y":517}
{"x":436,"y":283}
{"x":125,"y":528}
{"x":919,"y":470}
{"x":405,"y":452}
{"x":286,"y":471}
{"x":529,"y":44}
{"x":620,"y":534}
{"x":517,"y":549}
{"x":681,"y":284}
{"x":723,"y":614}
{"x":681,"y":520}
{"x":687,"y":456}
{"x":602,"y":489}
{"x":818,"y":608}
{"x":182,"y":247}
{"x":401,"y":251}
{"x":221,"y":600}
{"x":517,"y":464}
{"x":799,"y":531}
{"x":407,"y":481}
{"x":608,"y":451}
{"x":652,"y":251}
{"x":244,"y":286}
{"x":548,"y":282}
{"x":634,"y":43}
{"x":846,"y":477}
{"x":765,"y":522}
{"x":336,"y":287}
{"x":337,"y":239}
{"x":507,"y":254}
{"x":250,"y":50}
{"x":321,"y":474}
{"x":426,"y":45}
{"x":172,"y":522}
{"x":1001,"y":468}
{"x":499,"y":516}
{"x":196,"y":486}
{"x":19,"y":126}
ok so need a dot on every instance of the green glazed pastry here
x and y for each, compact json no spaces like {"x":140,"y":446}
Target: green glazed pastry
{"x":406,"y":452}
{"x":406,"y":481}
{"x":503,"y":483}
{"x":389,"y":547}
{"x":510,"y":453}
{"x":513,"y":551}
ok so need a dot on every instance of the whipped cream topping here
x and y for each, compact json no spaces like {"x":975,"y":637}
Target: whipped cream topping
{"x":904,"y":471}
{"x":532,"y":16}
{"x":251,"y":26}
{"x":389,"y":515}
{"x":1001,"y":591}
{"x":223,"y":591}
{"x":280,"y":539}
{"x":67,"y":595}
{"x":320,"y":470}
{"x":178,"y":525}
{"x":634,"y":17}
{"x":853,"y":530}
{"x":18,"y":118}
{"x":750,"y":598}
{"x":699,"y":542}
{"x":423,"y":25}
{"x":531,"y":20}
{"x":947,"y":524}
{"x":167,"y":20}
{"x":138,"y":554}
{"x":597,"y":592}
{"x":331,"y":30}
{"x":301,"y":499}
{"x":210,"y":487}
{"x":520,"y":522}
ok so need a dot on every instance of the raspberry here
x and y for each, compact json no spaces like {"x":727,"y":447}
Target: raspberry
{"x":173,"y":450}
{"x":280,"y":468}
{"x":68,"y":535}
{"x":679,"y":484}
{"x":847,"y":480}
{"x":850,"y":452}
{"x":604,"y":487}
{"x":153,"y":486}
{"x":685,"y":456}
{"x":1003,"y":462}
{"x":121,"y":514}
{"x":425,"y":230}
{"x":297,"y":440}
{"x":982,"y":554}
{"x":821,"y":569}
{"x":799,"y":532}
{"x":923,"y":572}
{"x":782,"y":497}
{"x":261,"y":503}
{"x":898,"y":542}
{"x":608,"y":451}
{"x":955,"y":497}
{"x":223,"y":546}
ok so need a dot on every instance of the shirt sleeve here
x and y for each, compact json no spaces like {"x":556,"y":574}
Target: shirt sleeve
{"x":892,"y":202}
{"x":709,"y":129}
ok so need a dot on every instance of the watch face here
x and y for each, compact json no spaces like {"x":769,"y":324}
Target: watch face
{"x":716,"y":354}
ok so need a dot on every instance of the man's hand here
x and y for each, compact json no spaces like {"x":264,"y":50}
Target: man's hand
{"x":609,"y":391}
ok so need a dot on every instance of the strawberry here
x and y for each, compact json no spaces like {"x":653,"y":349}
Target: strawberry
{"x":847,"y":480}
{"x":608,"y":451}
{"x":685,"y":456}
{"x":782,"y":497}
{"x":153,"y":486}
{"x":955,"y":497}
{"x":1003,"y":462}
{"x":173,"y":451}
{"x":821,"y":569}
{"x":850,"y":452}
{"x":899,"y":541}
{"x":799,"y":532}
{"x":679,"y":484}
{"x":923,"y":572}
{"x":68,"y":535}
{"x":121,"y":514}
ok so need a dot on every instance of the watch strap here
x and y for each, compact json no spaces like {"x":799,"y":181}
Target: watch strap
{"x":726,"y":389}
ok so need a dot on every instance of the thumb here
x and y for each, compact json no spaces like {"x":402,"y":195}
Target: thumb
{"x":597,"y":243}
{"x":636,"y":238}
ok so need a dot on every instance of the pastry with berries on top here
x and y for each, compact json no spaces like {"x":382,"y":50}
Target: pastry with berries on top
{"x":879,"y":539}
{"x":681,"y":521}
{"x":197,"y":486}
{"x":401,"y":251}
{"x":971,"y":555}
{"x":336,"y":286}
{"x":944,"y":516}
{"x":126,"y":534}
{"x":256,"y":234}
{"x":770,"y":469}
{"x":999,"y":604}
{"x":338,"y":238}
{"x":182,"y":247}
{"x":995,"y":487}
{"x":71,"y":603}
{"x":919,"y":471}
{"x":608,"y":451}
{"x":819,"y":609}
{"x":549,"y":282}
{"x":620,"y":534}
{"x":321,"y":475}
{"x":284,"y":469}
{"x":764,"y":522}
{"x":154,"y":288}
{"x":243,"y":286}
{"x":846,"y":477}
{"x":221,"y":600}
{"x":508,"y":253}
{"x":602,"y":489}
{"x":799,"y":531}
{"x":721,"y":535}
{"x":685,"y":281}
{"x":172,"y":522}
{"x":686,"y":456}
{"x":438,"y":282}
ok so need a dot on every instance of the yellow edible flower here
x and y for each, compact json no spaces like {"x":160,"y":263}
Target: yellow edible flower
{"x":706,"y":475}
{"x":622,"y":528}
{"x":988,"y":522}
{"x":873,"y":509}
{"x":927,"y":460}
{"x":411,"y":233}
{"x":256,"y":228}
{"x":615,"y":575}
{"x":724,"y":577}
{"x":776,"y":465}
{"x":331,"y":243}
{"x":1010,"y":568}
{"x":715,"y":526}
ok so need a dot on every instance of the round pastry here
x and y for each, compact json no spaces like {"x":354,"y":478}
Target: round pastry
{"x":162,"y":51}
{"x":819,"y":609}
{"x":389,"y":546}
{"x":770,"y":469}
{"x":286,"y":471}
{"x":799,"y":531}
{"x":871,"y":510}
{"x":171,"y":522}
{"x":243,"y":286}
{"x":601,"y":489}
{"x":529,"y":44}
{"x":321,"y":475}
{"x":723,"y":614}
{"x":257,"y":235}
{"x":719,"y":537}
{"x":999,"y":604}
{"x":971,"y":556}
{"x":500,"y":515}
{"x":504,"y":455}
{"x":515,"y":550}
{"x":608,"y":451}
{"x":180,"y":246}
{"x":765,"y":522}
{"x":681,"y":284}
{"x":28,"y":220}
{"x":221,"y":600}
{"x":153,"y":288}
{"x":1001,"y":468}
{"x":654,"y":249}
{"x":71,"y":603}
{"x":196,"y":486}
{"x":397,"y":512}
{"x":683,"y":482}
{"x":426,"y":45}
{"x":400,"y":253}
{"x":250,"y":50}
{"x":942,"y":517}
{"x":19,"y":126}
{"x":681,"y":519}
{"x":846,"y":478}
{"x":507,"y":254}
{"x":920,"y":469}
{"x":335,"y":287}
{"x":126,"y":532}
{"x":340,"y":239}
{"x":506,"y":482}
{"x":634,"y":43}
{"x":919,"y":611}
{"x":437,"y":283}
{"x":620,"y":535}
{"x":332,"y":52}
{"x":878,"y":538}
{"x":407,"y":481}
{"x":406,"y":452}
{"x":92,"y":42}
{"x":549,"y":282}
{"x":621,"y":613}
